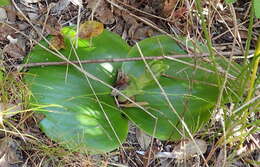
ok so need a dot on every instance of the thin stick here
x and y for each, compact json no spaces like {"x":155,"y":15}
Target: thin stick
{"x":114,"y":60}
{"x":110,"y":60}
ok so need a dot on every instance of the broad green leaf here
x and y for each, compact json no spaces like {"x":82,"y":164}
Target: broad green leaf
{"x":5,"y":2}
{"x":257,"y":8}
{"x":192,"y":92}
{"x":73,"y":116}
{"x":137,"y":84}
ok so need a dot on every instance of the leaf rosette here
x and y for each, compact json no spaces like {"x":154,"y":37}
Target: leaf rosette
{"x":82,"y":115}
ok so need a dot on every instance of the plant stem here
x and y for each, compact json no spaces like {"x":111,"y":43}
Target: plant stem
{"x":245,"y":72}
{"x":207,"y":36}
{"x":255,"y":64}
{"x":249,"y":35}
{"x":204,"y":27}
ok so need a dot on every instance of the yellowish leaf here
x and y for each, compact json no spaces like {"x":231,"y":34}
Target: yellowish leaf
{"x":90,"y":29}
{"x":57,"y":42}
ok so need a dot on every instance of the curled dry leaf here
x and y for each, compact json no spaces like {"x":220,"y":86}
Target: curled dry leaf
{"x":101,"y":10}
{"x":90,"y":29}
{"x":57,"y":42}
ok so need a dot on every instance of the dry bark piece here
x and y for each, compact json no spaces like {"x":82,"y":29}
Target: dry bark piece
{"x":57,"y":42}
{"x":90,"y":29}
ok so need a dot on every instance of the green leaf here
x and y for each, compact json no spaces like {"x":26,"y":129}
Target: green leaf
{"x":192,"y":90}
{"x":230,"y":1}
{"x":73,"y":116}
{"x":5,"y":2}
{"x":138,"y":84}
{"x":1,"y":76}
{"x":193,"y":101}
{"x":257,"y":8}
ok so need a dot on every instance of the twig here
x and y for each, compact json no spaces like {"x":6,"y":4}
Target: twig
{"x":114,"y":60}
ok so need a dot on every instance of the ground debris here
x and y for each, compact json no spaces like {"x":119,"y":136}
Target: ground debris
{"x":15,"y":50}
{"x":101,"y":11}
{"x":6,"y":30}
{"x":9,"y":153}
{"x":168,"y":7}
{"x":143,"y":139}
{"x":3,"y":14}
